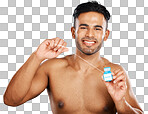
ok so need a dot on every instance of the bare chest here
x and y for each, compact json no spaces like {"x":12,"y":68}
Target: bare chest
{"x":75,"y":92}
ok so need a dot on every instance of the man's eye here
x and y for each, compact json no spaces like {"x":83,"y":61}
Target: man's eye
{"x":83,"y":28}
{"x":98,"y":29}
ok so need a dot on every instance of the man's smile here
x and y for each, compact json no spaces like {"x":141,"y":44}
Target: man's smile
{"x":89,"y":42}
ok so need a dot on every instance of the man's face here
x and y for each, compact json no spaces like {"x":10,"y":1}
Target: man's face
{"x":90,"y":29}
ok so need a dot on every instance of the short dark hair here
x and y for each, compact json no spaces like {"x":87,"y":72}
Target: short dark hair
{"x":91,"y":6}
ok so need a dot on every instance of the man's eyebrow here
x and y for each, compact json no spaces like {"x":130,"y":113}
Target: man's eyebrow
{"x":88,"y":25}
{"x":98,"y":26}
{"x":83,"y":25}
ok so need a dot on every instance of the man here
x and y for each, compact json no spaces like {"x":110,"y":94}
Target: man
{"x":73,"y":85}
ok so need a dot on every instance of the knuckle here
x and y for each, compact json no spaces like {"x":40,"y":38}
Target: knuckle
{"x":52,"y":40}
{"x":57,"y":38}
{"x":61,"y":40}
{"x":65,"y":43}
{"x":122,"y":72}
{"x":46,"y":40}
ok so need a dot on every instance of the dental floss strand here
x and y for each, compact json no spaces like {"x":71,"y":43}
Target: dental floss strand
{"x":107,"y":76}
{"x":89,"y":63}
{"x":85,"y":61}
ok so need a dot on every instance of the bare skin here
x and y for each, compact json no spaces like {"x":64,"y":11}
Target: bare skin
{"x":73,"y":86}
{"x":79,"y":91}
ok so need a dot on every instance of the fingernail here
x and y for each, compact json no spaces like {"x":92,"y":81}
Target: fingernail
{"x":55,"y":49}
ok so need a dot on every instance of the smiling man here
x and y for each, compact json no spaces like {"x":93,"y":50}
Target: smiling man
{"x":73,"y":85}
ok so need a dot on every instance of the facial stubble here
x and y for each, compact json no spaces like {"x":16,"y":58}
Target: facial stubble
{"x":88,"y":51}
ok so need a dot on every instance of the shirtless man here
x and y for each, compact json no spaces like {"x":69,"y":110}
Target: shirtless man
{"x":75,"y":87}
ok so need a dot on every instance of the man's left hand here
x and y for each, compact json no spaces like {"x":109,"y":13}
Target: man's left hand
{"x":117,"y":87}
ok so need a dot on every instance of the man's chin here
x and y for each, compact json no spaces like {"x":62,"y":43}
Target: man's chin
{"x":88,"y":50}
{"x":88,"y":53}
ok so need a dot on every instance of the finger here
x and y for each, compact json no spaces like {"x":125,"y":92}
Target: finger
{"x":107,"y":83}
{"x":65,"y":48}
{"x":122,"y":85}
{"x":59,"y":44}
{"x":64,"y":44}
{"x":47,"y":42}
{"x":51,"y":44}
{"x":56,"y":41}
{"x":112,"y":73}
{"x":118,"y":74}
{"x":59,"y":51}
{"x":116,"y":71}
{"x":48,"y":45}
{"x":119,"y":78}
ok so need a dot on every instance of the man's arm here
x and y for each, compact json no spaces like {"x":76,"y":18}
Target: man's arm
{"x":121,"y":92}
{"x":25,"y":82}
{"x":31,"y":79}
{"x":129,"y":104}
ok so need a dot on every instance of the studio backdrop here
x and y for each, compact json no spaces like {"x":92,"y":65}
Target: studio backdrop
{"x":24,"y":24}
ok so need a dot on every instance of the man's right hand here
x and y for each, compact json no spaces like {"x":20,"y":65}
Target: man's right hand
{"x":51,"y":48}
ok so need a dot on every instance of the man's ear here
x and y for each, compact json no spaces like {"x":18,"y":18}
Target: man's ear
{"x":107,"y":32}
{"x":73,"y":32}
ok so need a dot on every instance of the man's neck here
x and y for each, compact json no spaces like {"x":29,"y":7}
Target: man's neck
{"x":81,"y":58}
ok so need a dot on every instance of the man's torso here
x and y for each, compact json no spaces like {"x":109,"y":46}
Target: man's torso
{"x":75,"y":92}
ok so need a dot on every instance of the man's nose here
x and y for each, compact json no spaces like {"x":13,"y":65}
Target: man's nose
{"x":90,"y":33}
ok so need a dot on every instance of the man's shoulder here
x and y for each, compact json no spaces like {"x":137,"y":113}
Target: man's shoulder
{"x":115,"y":66}
{"x":56,"y":62}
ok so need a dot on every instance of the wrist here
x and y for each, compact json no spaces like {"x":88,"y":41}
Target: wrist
{"x":121,"y":105}
{"x":121,"y":101}
{"x":37,"y":56}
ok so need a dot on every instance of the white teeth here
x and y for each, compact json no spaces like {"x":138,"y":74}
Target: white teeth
{"x":89,"y":42}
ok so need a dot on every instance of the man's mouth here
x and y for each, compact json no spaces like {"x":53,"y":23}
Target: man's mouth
{"x":88,"y":43}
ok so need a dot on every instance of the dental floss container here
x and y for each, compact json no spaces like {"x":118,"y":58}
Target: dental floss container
{"x":107,"y":76}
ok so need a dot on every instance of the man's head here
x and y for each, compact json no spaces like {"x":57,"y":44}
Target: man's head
{"x":90,"y":27}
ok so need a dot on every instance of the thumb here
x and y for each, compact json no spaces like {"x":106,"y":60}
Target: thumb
{"x":59,"y":51}
{"x":65,"y":49}
{"x":107,"y":84}
{"x":102,"y":77}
